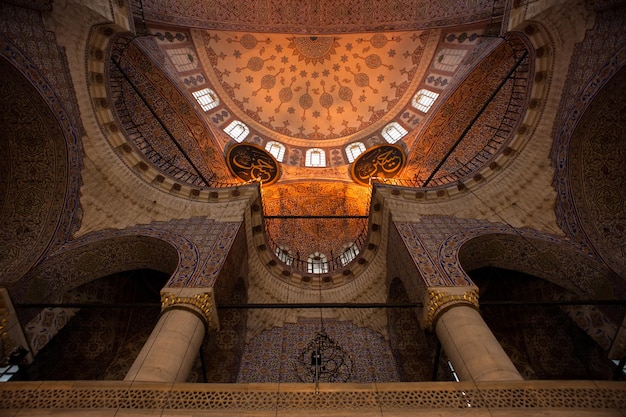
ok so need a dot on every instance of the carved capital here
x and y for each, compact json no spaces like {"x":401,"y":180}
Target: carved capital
{"x":199,"y":303}
{"x":439,"y":299}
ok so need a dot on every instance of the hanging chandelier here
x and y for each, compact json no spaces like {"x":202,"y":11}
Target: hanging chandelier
{"x":324,"y":360}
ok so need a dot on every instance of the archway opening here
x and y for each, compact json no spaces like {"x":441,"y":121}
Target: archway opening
{"x":544,"y":339}
{"x":100,"y":329}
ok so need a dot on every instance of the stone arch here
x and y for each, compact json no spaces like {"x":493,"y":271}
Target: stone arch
{"x":532,"y":252}
{"x":104,"y":253}
{"x":596,"y":173}
{"x":104,"y":340}
{"x":539,"y":267}
{"x":589,"y":144}
{"x":39,"y":168}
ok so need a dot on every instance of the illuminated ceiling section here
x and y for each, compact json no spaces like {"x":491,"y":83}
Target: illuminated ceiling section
{"x":300,"y":89}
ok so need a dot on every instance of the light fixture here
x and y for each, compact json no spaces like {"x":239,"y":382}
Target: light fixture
{"x":324,"y":360}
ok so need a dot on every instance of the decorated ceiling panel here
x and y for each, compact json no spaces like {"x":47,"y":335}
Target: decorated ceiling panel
{"x":319,"y":16}
{"x":317,"y":101}
{"x":313,"y":88}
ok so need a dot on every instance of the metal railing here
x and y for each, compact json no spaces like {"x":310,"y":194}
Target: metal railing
{"x":170,"y":166}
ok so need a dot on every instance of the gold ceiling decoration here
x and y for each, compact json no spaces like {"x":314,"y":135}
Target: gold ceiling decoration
{"x":313,"y":49}
{"x":298,"y":89}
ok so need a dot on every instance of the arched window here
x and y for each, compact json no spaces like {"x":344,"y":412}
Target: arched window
{"x":284,"y":254}
{"x":350,"y":251}
{"x":184,"y":59}
{"x":449,"y":59}
{"x":276,"y":149}
{"x":393,"y":132}
{"x":424,"y":100}
{"x":237,"y":130}
{"x":315,"y":158}
{"x":317,"y":263}
{"x":353,"y":151}
{"x":206,"y":98}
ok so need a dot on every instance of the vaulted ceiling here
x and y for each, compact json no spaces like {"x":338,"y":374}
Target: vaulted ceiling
{"x":315,"y":102}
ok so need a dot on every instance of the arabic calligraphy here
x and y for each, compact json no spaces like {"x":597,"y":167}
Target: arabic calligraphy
{"x":251,"y":163}
{"x":383,"y":161}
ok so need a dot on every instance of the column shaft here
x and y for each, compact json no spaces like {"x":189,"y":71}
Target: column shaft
{"x":172,"y":347}
{"x":473,"y":350}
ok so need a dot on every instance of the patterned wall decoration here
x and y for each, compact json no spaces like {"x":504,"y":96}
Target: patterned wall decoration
{"x":425,"y":261}
{"x":222,"y":350}
{"x":597,"y":173}
{"x":214,"y":258}
{"x":40,"y":166}
{"x":45,"y":325}
{"x":305,"y":236}
{"x":87,"y":259}
{"x":270,"y":356}
{"x":383,"y":161}
{"x":227,"y":281}
{"x":102,"y":343}
{"x":33,"y":51}
{"x":437,"y":242}
{"x":252,"y":163}
{"x":594,"y":185}
{"x":192,"y":250}
{"x":25,"y":31}
{"x":542,"y":341}
{"x":401,"y":265}
{"x":553,"y":259}
{"x":413,"y":348}
{"x":318,"y":16}
{"x":172,"y":107}
{"x":463,"y":106}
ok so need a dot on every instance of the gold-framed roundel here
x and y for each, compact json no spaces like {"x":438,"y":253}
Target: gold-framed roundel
{"x":250,"y":162}
{"x":382,"y":161}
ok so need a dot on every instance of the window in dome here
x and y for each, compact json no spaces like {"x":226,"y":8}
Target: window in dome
{"x":350,"y":251}
{"x":393,"y":132}
{"x":184,"y":59}
{"x":353,"y":150}
{"x":424,"y":100}
{"x":206,"y":98}
{"x":284,"y":254}
{"x":317,"y":263}
{"x":449,"y":59}
{"x":237,"y":130}
{"x":315,"y":158}
{"x":276,"y":149}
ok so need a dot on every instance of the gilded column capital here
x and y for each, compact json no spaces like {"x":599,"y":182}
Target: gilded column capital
{"x":439,"y":299}
{"x":198,"y":301}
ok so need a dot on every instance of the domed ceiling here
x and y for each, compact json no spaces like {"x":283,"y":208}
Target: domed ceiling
{"x":337,"y":96}
{"x":418,"y":92}
{"x":305,"y":89}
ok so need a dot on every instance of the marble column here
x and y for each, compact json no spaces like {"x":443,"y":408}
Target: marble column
{"x":471,"y":347}
{"x":174,"y":343}
{"x":170,"y":350}
{"x":473,"y":350}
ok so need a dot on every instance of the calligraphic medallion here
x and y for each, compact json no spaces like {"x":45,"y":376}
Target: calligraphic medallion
{"x":384,"y":161}
{"x":250,"y":162}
